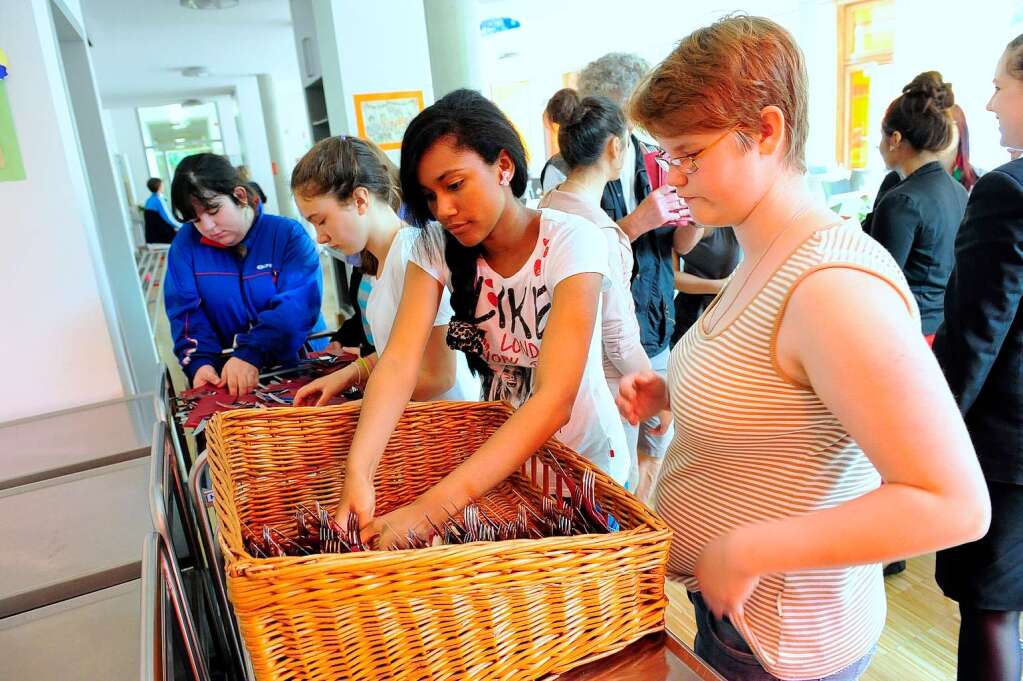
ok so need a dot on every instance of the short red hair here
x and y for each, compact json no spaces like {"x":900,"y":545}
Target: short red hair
{"x":722,"y":76}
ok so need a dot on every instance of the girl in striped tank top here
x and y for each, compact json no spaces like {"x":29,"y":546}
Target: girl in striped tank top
{"x":815,"y":435}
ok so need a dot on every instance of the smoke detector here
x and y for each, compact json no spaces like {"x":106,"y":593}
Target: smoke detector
{"x":191,"y":103}
{"x":195,"y":72}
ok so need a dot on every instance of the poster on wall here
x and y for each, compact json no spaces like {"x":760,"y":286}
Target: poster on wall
{"x":383,"y":116}
{"x":11,"y":168}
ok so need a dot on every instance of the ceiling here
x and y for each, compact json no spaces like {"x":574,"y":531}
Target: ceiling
{"x":140,"y":47}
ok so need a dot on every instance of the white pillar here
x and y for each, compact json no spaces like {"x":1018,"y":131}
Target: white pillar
{"x":275,"y":143}
{"x":453,"y":27}
{"x":254,"y":139}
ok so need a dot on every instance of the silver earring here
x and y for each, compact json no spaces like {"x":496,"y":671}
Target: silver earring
{"x":505,"y":178}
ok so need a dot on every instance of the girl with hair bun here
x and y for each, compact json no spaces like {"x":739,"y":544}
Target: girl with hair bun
{"x":917,"y":219}
{"x":592,"y":136}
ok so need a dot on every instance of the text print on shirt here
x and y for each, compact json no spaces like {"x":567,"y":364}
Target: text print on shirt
{"x":520,"y":326}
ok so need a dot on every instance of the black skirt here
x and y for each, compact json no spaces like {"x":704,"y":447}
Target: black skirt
{"x":988,"y":573}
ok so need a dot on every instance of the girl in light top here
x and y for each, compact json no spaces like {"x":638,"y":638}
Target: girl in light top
{"x":348,"y":189}
{"x":815,"y":435}
{"x":525,"y":286}
{"x":592,"y":140}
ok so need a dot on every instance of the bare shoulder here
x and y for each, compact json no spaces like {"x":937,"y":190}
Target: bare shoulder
{"x":843,"y":310}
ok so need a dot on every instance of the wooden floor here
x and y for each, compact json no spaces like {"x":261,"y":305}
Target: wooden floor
{"x":919,"y":639}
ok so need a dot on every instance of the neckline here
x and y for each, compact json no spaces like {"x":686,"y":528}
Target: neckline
{"x":529,"y":260}
{"x":925,"y":169}
{"x":382,"y":267}
{"x":742,"y":311}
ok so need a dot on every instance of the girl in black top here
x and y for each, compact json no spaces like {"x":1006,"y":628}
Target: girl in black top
{"x":917,"y":219}
{"x":980,"y":349}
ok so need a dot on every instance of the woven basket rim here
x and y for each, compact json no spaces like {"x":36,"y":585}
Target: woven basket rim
{"x":237,"y":560}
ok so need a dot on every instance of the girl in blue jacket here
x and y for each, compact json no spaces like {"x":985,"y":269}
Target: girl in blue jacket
{"x":237,"y":278}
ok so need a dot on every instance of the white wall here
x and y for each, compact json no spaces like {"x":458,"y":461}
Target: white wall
{"x":379,"y":50}
{"x":964,"y":46}
{"x":570,"y":39}
{"x":58,"y":342}
{"x":965,"y":50}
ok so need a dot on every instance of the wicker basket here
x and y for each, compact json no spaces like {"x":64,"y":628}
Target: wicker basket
{"x":503,"y":610}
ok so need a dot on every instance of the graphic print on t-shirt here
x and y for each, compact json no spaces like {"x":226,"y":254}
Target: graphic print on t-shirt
{"x":515,"y":313}
{"x":509,"y":383}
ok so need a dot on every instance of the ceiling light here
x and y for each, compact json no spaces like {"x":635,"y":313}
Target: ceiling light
{"x":195,"y":72}
{"x":175,"y":114}
{"x":209,"y":4}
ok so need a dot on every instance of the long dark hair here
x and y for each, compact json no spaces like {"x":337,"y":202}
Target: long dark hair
{"x":921,"y":113}
{"x":204,"y":177}
{"x":586,"y":129}
{"x":339,"y":165}
{"x":474,"y":123}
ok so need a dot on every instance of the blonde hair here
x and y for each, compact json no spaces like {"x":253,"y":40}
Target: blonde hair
{"x":722,"y":76}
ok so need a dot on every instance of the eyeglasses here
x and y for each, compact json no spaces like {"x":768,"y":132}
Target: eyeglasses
{"x":687,"y":164}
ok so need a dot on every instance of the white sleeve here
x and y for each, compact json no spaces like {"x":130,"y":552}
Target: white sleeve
{"x":428,"y":253}
{"x":619,"y":327}
{"x":415,"y":248}
{"x":576,"y":246}
{"x":445,"y":312}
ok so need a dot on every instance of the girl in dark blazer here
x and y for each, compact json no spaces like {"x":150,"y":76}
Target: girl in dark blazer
{"x":917,"y":219}
{"x":980,"y":348}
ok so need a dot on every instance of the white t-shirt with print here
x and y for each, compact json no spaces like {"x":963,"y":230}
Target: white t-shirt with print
{"x":382,"y":308}
{"x":513,"y":311}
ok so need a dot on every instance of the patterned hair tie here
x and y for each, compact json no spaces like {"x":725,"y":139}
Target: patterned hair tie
{"x":465,"y":336}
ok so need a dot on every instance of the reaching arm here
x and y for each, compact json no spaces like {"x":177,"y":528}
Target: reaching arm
{"x":394,"y":376}
{"x":437,"y":370}
{"x":692,"y":284}
{"x":558,"y":375}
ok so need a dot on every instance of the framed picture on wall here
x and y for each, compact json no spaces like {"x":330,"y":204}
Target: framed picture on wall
{"x":383,"y":116}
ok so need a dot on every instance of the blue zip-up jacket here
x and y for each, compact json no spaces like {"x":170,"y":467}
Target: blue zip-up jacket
{"x":261,"y":297}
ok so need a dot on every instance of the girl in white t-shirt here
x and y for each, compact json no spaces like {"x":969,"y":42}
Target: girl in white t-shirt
{"x":525,"y":287}
{"x":348,"y":189}
{"x":592,"y":139}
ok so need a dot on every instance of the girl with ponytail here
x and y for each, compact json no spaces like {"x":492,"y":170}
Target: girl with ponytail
{"x":592,"y":135}
{"x":525,"y":287}
{"x":348,"y":189}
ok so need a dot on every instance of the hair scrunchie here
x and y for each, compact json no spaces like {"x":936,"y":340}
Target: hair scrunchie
{"x":465,"y":336}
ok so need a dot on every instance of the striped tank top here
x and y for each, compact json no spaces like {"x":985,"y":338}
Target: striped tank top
{"x":752,"y":445}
